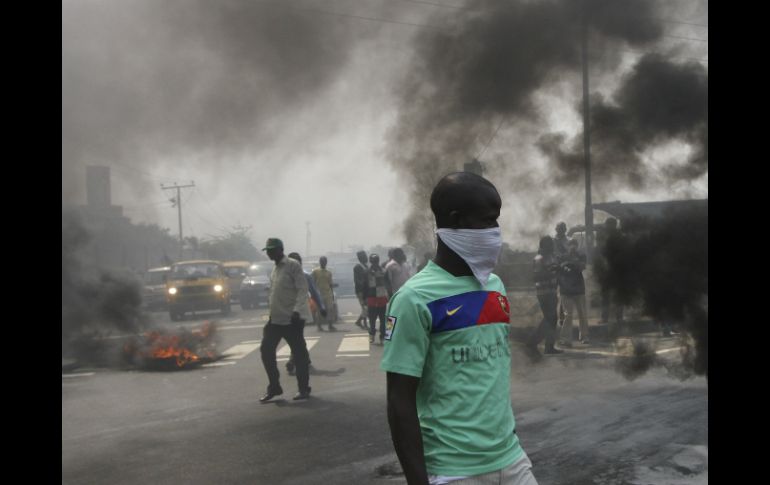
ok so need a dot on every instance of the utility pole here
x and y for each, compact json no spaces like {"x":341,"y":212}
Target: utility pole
{"x":589,"y":215}
{"x":178,"y":202}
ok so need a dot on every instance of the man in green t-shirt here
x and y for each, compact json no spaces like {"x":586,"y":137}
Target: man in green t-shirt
{"x":446,"y":351}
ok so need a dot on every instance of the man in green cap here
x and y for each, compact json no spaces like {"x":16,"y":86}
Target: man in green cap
{"x":288,"y":313}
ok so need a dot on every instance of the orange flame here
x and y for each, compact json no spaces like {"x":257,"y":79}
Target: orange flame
{"x":185,"y":347}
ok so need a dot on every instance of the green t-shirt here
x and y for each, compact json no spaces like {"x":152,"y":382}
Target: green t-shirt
{"x":453,"y":334}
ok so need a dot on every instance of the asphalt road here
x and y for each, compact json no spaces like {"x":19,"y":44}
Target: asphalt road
{"x":580,"y":421}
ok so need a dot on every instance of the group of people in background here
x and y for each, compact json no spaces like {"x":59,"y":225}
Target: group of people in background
{"x":375,"y":284}
{"x":561,"y":289}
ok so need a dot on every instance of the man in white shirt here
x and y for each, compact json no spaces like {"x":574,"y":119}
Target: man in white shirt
{"x":288,"y":313}
{"x":397,"y":271}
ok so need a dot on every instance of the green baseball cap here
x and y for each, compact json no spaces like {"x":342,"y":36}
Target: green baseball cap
{"x":273,"y":243}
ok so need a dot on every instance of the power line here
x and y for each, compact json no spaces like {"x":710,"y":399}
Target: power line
{"x":458,"y":7}
{"x":442,"y":5}
{"x":214,"y":213}
{"x":685,"y":23}
{"x":412,"y":24}
{"x":631,"y":51}
{"x":686,"y":38}
{"x":373,"y":19}
{"x":478,"y":157}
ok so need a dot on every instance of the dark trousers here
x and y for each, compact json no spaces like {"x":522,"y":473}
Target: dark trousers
{"x":292,"y":333}
{"x":547,"y":327}
{"x":290,"y":362}
{"x":375,"y":312}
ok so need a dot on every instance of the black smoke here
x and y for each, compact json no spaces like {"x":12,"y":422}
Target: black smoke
{"x":488,"y":68}
{"x":95,"y":301}
{"x":657,"y":102}
{"x":662,"y":264}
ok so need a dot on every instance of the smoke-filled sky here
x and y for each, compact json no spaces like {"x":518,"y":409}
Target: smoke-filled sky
{"x":344,"y":113}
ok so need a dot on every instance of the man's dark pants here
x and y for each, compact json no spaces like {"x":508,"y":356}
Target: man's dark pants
{"x":374,"y":313}
{"x":292,"y":333}
{"x":290,"y":363}
{"x":547,"y":327}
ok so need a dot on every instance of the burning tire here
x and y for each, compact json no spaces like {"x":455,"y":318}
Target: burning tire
{"x":177,"y":350}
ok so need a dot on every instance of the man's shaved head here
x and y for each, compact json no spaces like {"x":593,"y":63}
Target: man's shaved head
{"x":462,"y":195}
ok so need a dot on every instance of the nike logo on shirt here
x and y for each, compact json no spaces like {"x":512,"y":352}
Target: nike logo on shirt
{"x":452,"y":312}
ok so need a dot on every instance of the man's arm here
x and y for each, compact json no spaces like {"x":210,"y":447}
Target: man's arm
{"x":300,"y":283}
{"x":405,"y":426}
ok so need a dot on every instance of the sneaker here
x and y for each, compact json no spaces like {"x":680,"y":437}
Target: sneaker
{"x":302,"y":395}
{"x":371,"y":339}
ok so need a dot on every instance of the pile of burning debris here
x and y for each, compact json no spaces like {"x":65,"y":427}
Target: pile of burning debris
{"x":183,"y":349}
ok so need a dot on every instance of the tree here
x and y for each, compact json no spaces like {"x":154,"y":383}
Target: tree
{"x":234,"y":245}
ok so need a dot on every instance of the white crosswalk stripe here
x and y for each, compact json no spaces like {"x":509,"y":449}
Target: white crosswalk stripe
{"x":284,"y":352}
{"x":354,"y":345}
{"x":240,"y":327}
{"x":351,"y":345}
{"x":219,"y":364}
{"x":241,"y":350}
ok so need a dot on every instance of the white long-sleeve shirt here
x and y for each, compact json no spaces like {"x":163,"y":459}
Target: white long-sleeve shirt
{"x":288,"y":292}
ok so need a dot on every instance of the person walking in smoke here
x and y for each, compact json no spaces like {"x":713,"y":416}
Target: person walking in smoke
{"x":546,"y":270}
{"x":376,"y":296}
{"x":288,"y":313}
{"x":560,"y":250}
{"x":315,"y":297}
{"x":561,"y":241}
{"x":608,"y":235}
{"x":446,"y":351}
{"x":359,"y":281}
{"x":397,"y":271}
{"x":572,"y":292}
{"x":324,"y":282}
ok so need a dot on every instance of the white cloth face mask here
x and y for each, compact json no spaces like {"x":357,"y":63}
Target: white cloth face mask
{"x":479,"y":248}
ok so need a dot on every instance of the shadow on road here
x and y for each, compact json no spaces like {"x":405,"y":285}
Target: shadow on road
{"x":321,"y":372}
